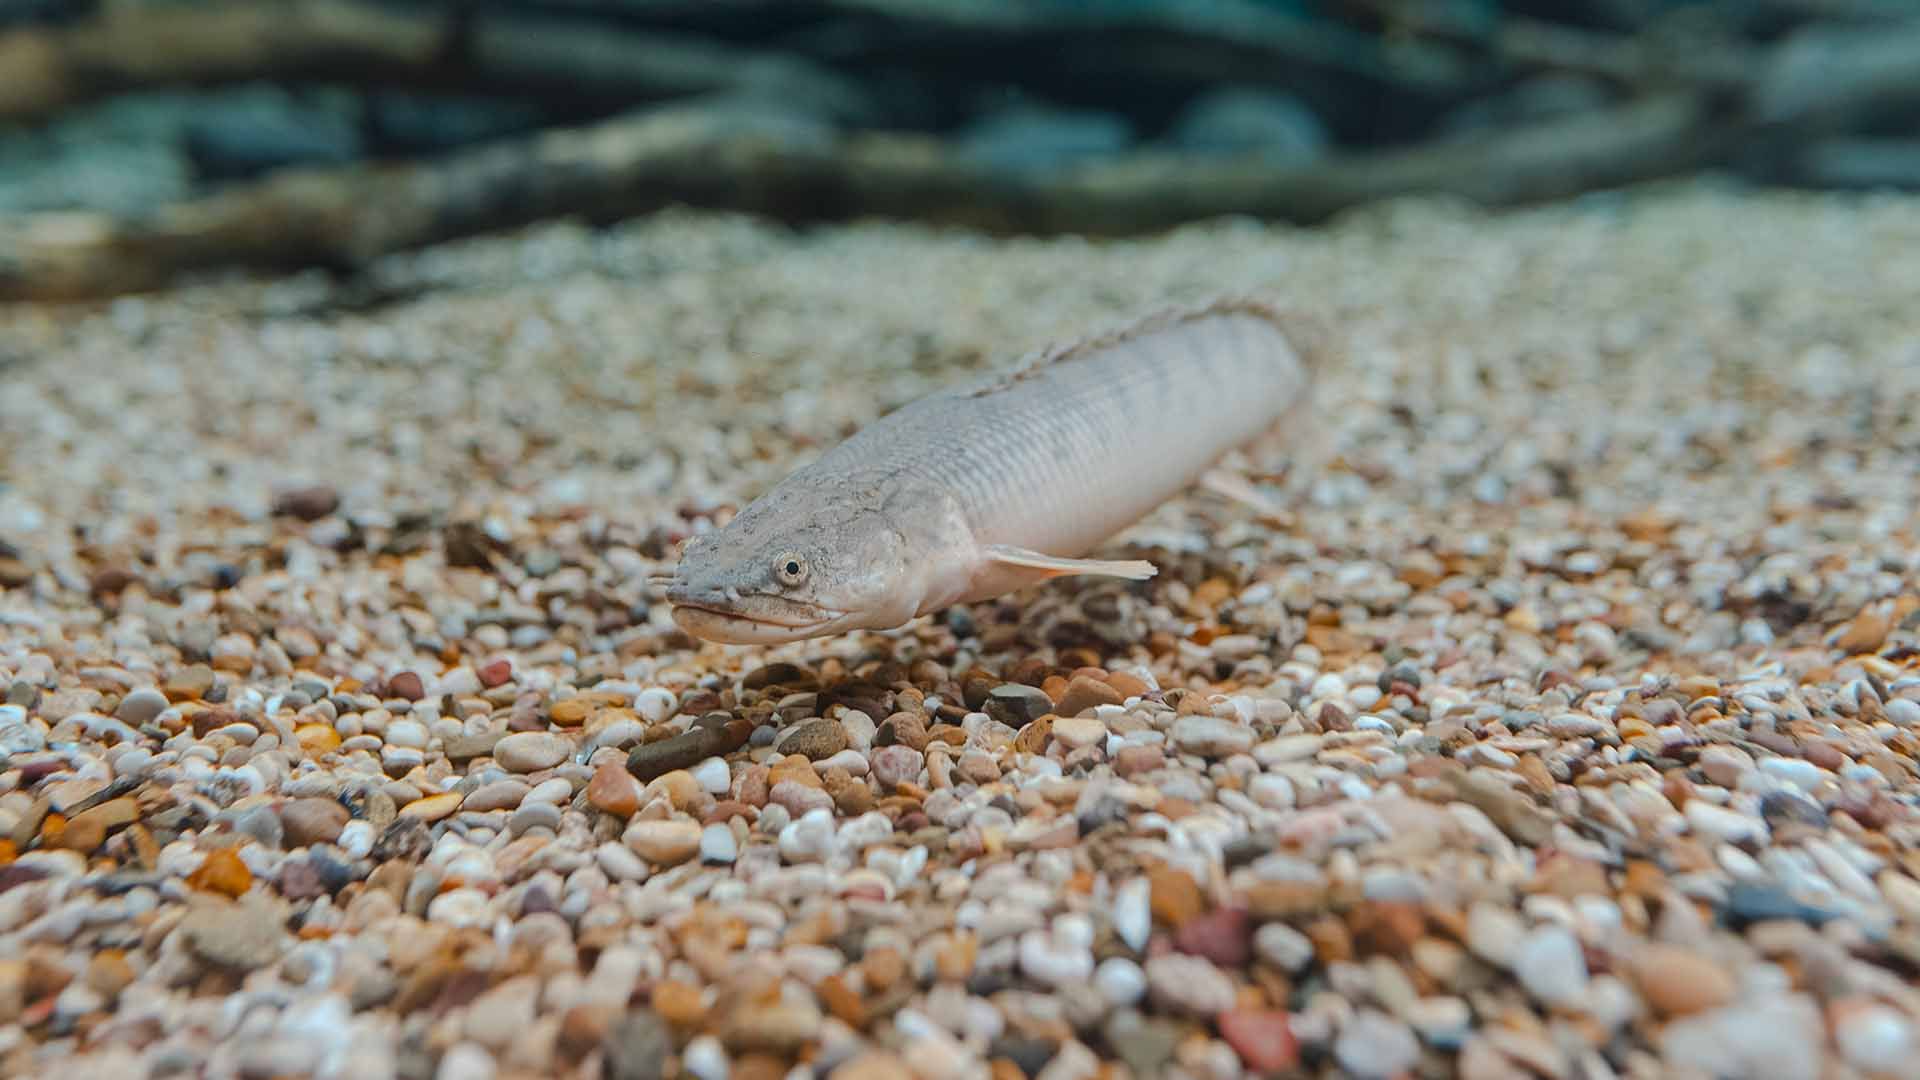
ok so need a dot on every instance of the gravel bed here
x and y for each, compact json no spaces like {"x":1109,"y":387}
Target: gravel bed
{"x":1553,"y":713}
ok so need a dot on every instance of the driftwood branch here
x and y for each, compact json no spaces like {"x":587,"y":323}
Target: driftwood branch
{"x":744,"y":159}
{"x":360,"y":42}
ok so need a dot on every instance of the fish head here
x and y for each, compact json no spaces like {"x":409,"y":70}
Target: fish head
{"x":789,"y":567}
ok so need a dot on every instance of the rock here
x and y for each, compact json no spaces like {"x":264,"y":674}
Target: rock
{"x":798,"y":798}
{"x":614,"y":790}
{"x":223,"y":872}
{"x":663,"y":843}
{"x":815,"y":740}
{"x":1769,"y":1037}
{"x":1175,"y":896}
{"x":531,"y":751}
{"x":312,"y":821}
{"x":1017,"y":705}
{"x":903,"y":729}
{"x":1145,"y":1045}
{"x":1078,"y":732}
{"x":1284,"y":947}
{"x":310,"y":502}
{"x":1374,"y":1046}
{"x":1874,"y":1037}
{"x":717,"y":845}
{"x":1211,"y":736}
{"x":1188,"y":985}
{"x":896,"y":765}
{"x":141,"y":706}
{"x":499,"y":795}
{"x":1680,"y":982}
{"x":779,"y":1027}
{"x":1250,"y":121}
{"x":431,"y":808}
{"x":1223,"y":935}
{"x":88,"y":829}
{"x":406,"y":685}
{"x":1262,"y":1037}
{"x":243,"y":935}
{"x":1120,"y":981}
{"x":1083,"y":694}
{"x":1550,"y":965}
{"x":1723,"y":825}
{"x":637,"y":1047}
{"x":465,"y":1061}
{"x":1494,"y":933}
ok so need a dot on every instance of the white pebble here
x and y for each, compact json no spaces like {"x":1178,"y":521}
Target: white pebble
{"x":655,"y":704}
{"x":356,"y":840}
{"x":1133,"y":913}
{"x":717,"y":844}
{"x":1120,"y":981}
{"x":1550,"y":965}
{"x":705,"y":1059}
{"x":713,"y":776}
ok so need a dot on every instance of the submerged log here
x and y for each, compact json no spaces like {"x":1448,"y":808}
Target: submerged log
{"x":749,"y":158}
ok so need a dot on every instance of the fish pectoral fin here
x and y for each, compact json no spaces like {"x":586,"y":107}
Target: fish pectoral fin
{"x":1052,"y":566}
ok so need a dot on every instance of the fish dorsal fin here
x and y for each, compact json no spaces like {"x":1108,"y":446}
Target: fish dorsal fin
{"x":1069,"y":351}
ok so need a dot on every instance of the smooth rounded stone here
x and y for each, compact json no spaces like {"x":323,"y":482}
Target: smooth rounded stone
{"x":356,"y":839}
{"x":1494,"y":933}
{"x":503,"y":1011}
{"x":534,"y":815}
{"x":556,"y":791}
{"x":1271,"y":790}
{"x":895,"y":765}
{"x":1120,"y":981}
{"x":531,"y":751}
{"x":1079,"y":732}
{"x":1443,"y":1021}
{"x":1188,"y":985}
{"x":717,"y":844}
{"x":1046,"y":957}
{"x":1727,"y":826}
{"x":1284,"y":947}
{"x":312,"y":821}
{"x":1132,"y":913}
{"x":1760,"y":1038}
{"x":851,"y":761}
{"x":1904,"y":711}
{"x":705,"y":1059}
{"x":243,"y":935}
{"x":810,"y":838}
{"x":1725,"y":765}
{"x":411,"y":734}
{"x":1872,"y":1036}
{"x":1374,"y":1046}
{"x":1211,"y":736}
{"x":1085,"y":693}
{"x":664,"y":843}
{"x":1288,"y":748}
{"x":1678,"y":981}
{"x":619,"y":862}
{"x":432,"y":808}
{"x":815,"y":740}
{"x":1550,"y":964}
{"x":614,"y":790}
{"x":798,"y":799}
{"x":465,"y":1061}
{"x":142,"y":706}
{"x":1799,"y":772}
{"x":655,"y":704}
{"x":499,"y":795}
{"x":459,"y":908}
{"x":1262,"y":1038}
{"x":715,"y":778}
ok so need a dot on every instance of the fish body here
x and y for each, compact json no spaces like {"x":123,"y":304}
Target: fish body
{"x":982,"y":490}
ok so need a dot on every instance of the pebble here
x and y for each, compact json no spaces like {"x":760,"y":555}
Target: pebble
{"x":895,"y":765}
{"x":1077,"y":732}
{"x":1188,"y":985}
{"x":1874,"y":1037}
{"x":1120,"y":981}
{"x":1678,"y":981}
{"x":1262,"y":1037}
{"x":1374,"y":1046}
{"x":1549,"y":963}
{"x":531,"y":751}
{"x":312,"y":821}
{"x":141,"y":707}
{"x":1211,"y":736}
{"x":1284,"y":947}
{"x":717,"y":845}
{"x":663,"y":843}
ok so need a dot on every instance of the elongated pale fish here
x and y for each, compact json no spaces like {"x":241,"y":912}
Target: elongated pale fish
{"x":968,"y":494}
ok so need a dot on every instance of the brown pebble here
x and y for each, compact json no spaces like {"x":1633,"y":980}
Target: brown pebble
{"x":312,"y":821}
{"x":1678,"y":981}
{"x":614,"y":790}
{"x":1085,"y":693}
{"x":843,"y":1002}
{"x":88,"y":829}
{"x":223,"y":872}
{"x":1865,"y":634}
{"x":678,"y":1003}
{"x":1332,"y":943}
{"x":1174,"y":896}
{"x":908,"y":729}
{"x":108,"y":972}
{"x":406,"y":685}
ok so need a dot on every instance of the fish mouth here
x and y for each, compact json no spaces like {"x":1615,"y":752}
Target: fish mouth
{"x":749,"y":619}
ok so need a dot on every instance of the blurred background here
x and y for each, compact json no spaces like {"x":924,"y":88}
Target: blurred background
{"x":141,"y":140}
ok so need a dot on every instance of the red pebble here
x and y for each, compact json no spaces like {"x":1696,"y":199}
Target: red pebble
{"x":1223,"y":935}
{"x":1262,"y":1037}
{"x":496,"y":673}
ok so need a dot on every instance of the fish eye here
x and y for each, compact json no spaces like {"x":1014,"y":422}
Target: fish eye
{"x":789,"y":568}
